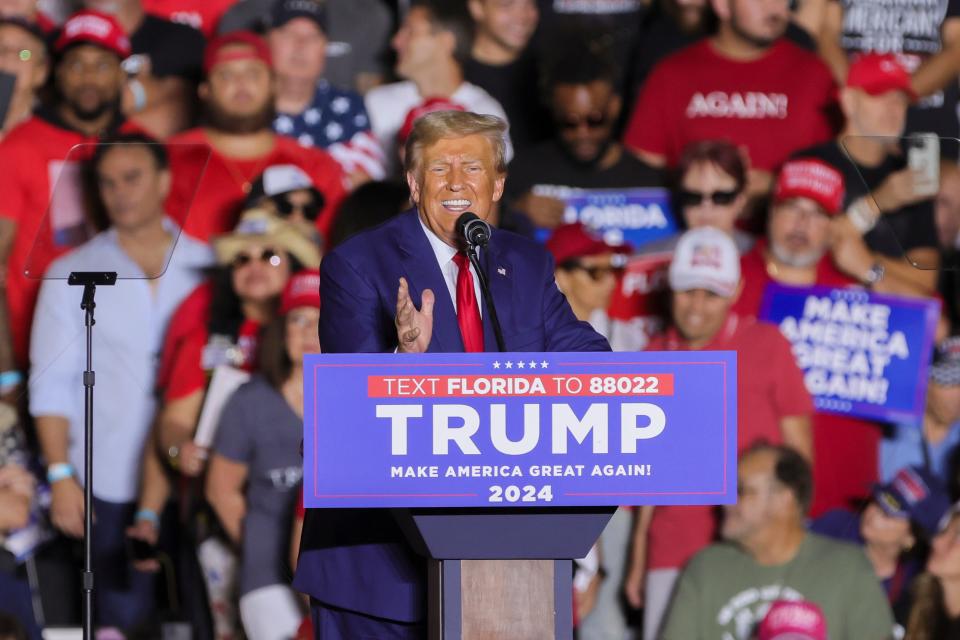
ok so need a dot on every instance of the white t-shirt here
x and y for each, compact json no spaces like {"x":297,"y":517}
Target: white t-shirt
{"x":389,"y":104}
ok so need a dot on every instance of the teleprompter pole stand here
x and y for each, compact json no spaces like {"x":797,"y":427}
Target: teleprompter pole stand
{"x":89,"y":281}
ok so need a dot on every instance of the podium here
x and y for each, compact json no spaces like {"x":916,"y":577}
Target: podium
{"x":501,"y":468}
{"x":506,"y":573}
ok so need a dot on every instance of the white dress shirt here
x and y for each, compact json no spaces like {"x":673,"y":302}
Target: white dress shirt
{"x":131,"y":320}
{"x":444,"y":254}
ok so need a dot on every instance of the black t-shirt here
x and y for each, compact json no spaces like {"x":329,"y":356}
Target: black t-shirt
{"x":174,"y":49}
{"x":911,"y":28}
{"x":896,"y":232}
{"x":515,"y":86}
{"x":549,"y":168}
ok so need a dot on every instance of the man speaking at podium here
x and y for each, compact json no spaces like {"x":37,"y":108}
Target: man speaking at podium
{"x":407,"y":286}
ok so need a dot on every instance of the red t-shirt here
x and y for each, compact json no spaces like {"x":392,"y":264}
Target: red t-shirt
{"x":774,"y":106}
{"x":200,"y":15}
{"x":769,"y":388}
{"x":41,"y":171}
{"x":212,"y":206}
{"x":181,"y":369}
{"x":844,"y":449}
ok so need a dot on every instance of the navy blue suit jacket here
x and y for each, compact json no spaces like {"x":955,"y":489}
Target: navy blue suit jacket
{"x":358,"y":559}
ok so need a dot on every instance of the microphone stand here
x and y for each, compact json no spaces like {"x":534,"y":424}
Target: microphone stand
{"x":488,"y":299}
{"x":89,"y":281}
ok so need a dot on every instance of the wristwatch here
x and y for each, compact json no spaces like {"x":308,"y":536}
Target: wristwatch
{"x":173,"y":455}
{"x":874,"y":275}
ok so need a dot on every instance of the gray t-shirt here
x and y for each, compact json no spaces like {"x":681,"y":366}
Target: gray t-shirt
{"x":723,"y":594}
{"x":259,"y":429}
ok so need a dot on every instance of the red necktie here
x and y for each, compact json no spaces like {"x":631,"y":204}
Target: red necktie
{"x":468,"y":311}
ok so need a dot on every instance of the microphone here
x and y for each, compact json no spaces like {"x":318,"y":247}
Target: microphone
{"x":474,"y":231}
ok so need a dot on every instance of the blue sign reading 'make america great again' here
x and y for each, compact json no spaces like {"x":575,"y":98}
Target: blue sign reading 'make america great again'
{"x":536,"y":429}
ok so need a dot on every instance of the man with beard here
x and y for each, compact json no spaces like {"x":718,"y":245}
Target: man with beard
{"x":740,"y":84}
{"x":801,"y":250}
{"x":41,"y":166}
{"x":585,"y":103}
{"x":238,"y":102}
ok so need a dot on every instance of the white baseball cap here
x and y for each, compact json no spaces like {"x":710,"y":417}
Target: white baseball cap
{"x":705,"y":258}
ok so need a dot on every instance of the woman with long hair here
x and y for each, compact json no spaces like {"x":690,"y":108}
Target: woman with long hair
{"x":936,"y":597}
{"x":256,"y":467}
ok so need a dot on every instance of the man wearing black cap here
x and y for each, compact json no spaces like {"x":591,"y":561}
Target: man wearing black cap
{"x":164,"y":69}
{"x":23,"y":55}
{"x":309,"y":108}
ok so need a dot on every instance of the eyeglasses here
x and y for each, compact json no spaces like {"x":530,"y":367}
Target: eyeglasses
{"x":597,"y":274}
{"x":593,"y":121}
{"x":695,"y":198}
{"x":268,"y":256}
{"x":309,"y":210}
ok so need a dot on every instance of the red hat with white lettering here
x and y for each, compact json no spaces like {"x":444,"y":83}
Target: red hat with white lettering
{"x":302,"y":290}
{"x":237,"y":45}
{"x":571,"y":241}
{"x":793,"y":620}
{"x":94,"y":27}
{"x":813,"y":179}
{"x":878,"y":73}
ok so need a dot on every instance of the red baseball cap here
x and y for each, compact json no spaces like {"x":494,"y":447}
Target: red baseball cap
{"x":574,"y":240}
{"x":302,"y":290}
{"x":813,"y":179}
{"x":793,"y":620}
{"x":94,"y":27}
{"x":878,"y":73}
{"x":249,"y":45}
{"x":427,"y":106}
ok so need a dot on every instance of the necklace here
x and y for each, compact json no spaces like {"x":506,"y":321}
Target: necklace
{"x":238,"y":176}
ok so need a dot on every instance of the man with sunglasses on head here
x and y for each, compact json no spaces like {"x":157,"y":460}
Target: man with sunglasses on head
{"x":584,"y":99}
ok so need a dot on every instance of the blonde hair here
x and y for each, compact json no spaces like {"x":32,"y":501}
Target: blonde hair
{"x":437,"y":125}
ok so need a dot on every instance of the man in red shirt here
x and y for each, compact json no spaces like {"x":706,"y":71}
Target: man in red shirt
{"x":238,"y":101}
{"x":772,"y":403}
{"x":747,"y":84}
{"x":802,"y":250}
{"x":41,"y":166}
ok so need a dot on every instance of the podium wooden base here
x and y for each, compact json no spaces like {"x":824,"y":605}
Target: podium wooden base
{"x":496,"y":599}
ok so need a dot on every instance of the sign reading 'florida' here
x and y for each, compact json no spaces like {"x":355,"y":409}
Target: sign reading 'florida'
{"x":515,"y":429}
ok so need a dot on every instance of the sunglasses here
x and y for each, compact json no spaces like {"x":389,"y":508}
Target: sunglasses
{"x":593,"y":121}
{"x":695,"y":198}
{"x":267,"y":256}
{"x":309,"y":210}
{"x":597,"y":274}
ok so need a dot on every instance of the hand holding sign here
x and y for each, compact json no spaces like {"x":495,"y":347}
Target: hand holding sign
{"x":414,"y":328}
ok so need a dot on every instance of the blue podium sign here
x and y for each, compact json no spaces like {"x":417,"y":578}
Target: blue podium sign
{"x":520,"y":429}
{"x":862,"y":354}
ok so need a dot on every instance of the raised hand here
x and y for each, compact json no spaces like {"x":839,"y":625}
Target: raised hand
{"x":414,"y":328}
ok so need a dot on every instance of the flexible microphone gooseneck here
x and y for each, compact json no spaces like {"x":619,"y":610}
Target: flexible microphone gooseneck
{"x":474,"y":233}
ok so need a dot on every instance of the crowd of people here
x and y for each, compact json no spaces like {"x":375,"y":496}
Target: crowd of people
{"x":212,"y":152}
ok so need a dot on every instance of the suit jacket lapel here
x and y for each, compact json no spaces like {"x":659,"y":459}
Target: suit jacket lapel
{"x":422,"y":272}
{"x":499,"y":273}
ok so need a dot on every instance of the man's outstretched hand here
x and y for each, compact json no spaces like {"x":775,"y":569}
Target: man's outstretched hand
{"x":414,"y":328}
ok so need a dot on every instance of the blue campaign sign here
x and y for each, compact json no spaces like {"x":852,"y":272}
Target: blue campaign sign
{"x":635,"y":216}
{"x":862,"y":354}
{"x":514,"y":429}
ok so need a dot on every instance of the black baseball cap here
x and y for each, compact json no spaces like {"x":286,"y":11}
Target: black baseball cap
{"x":283,"y":11}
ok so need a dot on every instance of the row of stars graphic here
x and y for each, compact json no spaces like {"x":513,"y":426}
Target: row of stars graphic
{"x":521,"y":364}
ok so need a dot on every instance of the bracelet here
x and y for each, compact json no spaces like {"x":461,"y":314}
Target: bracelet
{"x":861,"y":215}
{"x":9,"y":379}
{"x":139,"y":94}
{"x":149,"y":515}
{"x":59,"y":471}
